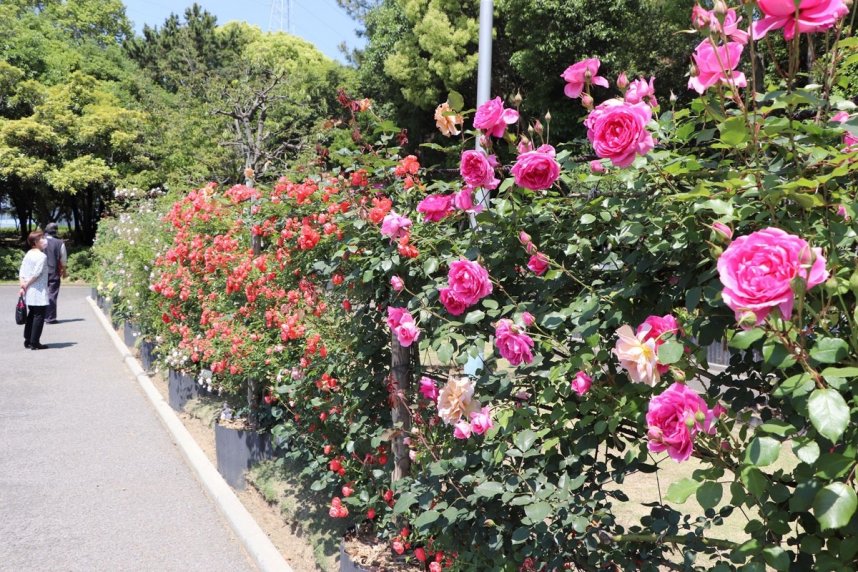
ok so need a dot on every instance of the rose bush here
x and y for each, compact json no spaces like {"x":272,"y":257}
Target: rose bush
{"x":560,"y":341}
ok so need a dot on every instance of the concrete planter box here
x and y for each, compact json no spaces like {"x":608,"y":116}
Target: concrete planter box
{"x":130,"y":333}
{"x":182,"y":388}
{"x":147,"y":354}
{"x":238,"y":450}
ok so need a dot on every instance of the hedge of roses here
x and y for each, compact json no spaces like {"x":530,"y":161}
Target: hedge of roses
{"x":514,"y":363}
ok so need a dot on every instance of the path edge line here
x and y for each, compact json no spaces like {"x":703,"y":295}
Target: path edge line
{"x":257,"y":544}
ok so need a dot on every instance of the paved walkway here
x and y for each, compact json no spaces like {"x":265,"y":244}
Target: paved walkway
{"x":89,"y":478}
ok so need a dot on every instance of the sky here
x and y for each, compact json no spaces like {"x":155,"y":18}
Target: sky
{"x":321,"y":22}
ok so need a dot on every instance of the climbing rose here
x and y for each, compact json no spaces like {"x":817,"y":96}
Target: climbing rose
{"x":396,"y":283}
{"x":674,"y":418}
{"x":402,"y":323}
{"x":492,"y":118}
{"x":705,"y":19}
{"x":395,"y":226}
{"x":536,"y":170}
{"x":641,"y":90}
{"x":435,"y":207}
{"x":723,"y":230}
{"x":715,"y":66}
{"x":849,"y":140}
{"x":447,"y":120}
{"x":637,"y":357}
{"x":617,"y":131}
{"x":657,"y":328}
{"x":758,"y":270}
{"x":581,"y":383}
{"x":455,"y":400}
{"x":428,"y":389}
{"x":478,"y":170}
{"x":462,"y":430}
{"x":468,"y":282}
{"x":580,"y":74}
{"x":538,"y":264}
{"x":452,"y":305}
{"x":813,"y":16}
{"x":513,"y":344}
{"x":481,"y":421}
{"x":596,"y":167}
{"x":464,"y":201}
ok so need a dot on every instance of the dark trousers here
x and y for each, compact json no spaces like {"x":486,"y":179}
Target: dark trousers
{"x":53,"y":293}
{"x":35,"y":323}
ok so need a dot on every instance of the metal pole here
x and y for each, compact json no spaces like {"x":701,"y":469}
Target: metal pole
{"x":484,"y":78}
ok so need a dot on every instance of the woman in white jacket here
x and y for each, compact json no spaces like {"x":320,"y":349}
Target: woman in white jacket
{"x":34,"y":284}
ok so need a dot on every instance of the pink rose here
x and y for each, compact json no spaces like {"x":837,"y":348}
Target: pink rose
{"x":527,"y":318}
{"x":842,"y":212}
{"x":581,"y":74}
{"x":394,"y":225}
{"x":618,"y":132}
{"x":396,"y":316}
{"x":657,"y":328}
{"x":581,"y":384}
{"x":407,"y":333}
{"x":709,"y":62}
{"x":538,"y":264}
{"x":513,"y":344}
{"x":757,"y":272}
{"x":492,"y":118}
{"x":453,"y":306}
{"x":674,"y":418}
{"x":464,"y":201}
{"x":462,"y":430}
{"x":481,"y":421}
{"x":849,"y":140}
{"x":526,"y":242}
{"x":524,"y":145}
{"x":428,"y":389}
{"x":396,"y":283}
{"x":622,"y":81}
{"x":722,"y":229}
{"x":641,"y":90}
{"x":596,"y":167}
{"x":478,"y":170}
{"x":704,"y":19}
{"x":813,"y":16}
{"x":468,"y":282}
{"x":536,"y":170}
{"x":435,"y":207}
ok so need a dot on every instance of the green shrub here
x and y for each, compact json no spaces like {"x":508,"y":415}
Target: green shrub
{"x":82,"y":267}
{"x":10,"y":262}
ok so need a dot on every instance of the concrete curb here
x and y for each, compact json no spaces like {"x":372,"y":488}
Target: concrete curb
{"x":252,"y":537}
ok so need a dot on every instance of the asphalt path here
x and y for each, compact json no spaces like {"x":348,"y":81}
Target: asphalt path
{"x":89,"y":478}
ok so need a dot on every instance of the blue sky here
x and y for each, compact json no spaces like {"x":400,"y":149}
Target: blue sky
{"x":321,"y":22}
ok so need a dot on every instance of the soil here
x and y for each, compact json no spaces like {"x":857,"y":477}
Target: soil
{"x":286,"y":536}
{"x":374,"y":556}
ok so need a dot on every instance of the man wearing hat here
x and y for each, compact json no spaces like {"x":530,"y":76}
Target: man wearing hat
{"x":57,"y":260}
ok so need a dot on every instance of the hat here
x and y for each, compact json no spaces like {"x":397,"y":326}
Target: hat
{"x":52,"y":228}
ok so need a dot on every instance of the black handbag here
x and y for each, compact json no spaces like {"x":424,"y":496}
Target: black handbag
{"x":21,"y":311}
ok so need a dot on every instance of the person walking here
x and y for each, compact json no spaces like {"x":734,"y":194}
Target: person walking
{"x":57,"y":262}
{"x":33,"y":276}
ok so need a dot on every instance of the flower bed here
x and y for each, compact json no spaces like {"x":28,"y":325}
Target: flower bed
{"x":475,"y":383}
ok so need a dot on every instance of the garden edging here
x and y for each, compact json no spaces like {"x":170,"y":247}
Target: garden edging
{"x":253,"y":538}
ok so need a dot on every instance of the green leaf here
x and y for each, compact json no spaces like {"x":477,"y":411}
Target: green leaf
{"x":709,"y":494}
{"x":427,"y":517}
{"x":538,"y":511}
{"x":670,"y":352}
{"x":679,"y":491}
{"x":520,"y":534}
{"x":406,"y":500}
{"x":488,"y":489}
{"x":776,"y":557}
{"x":734,"y":132}
{"x":524,"y":440}
{"x":754,"y":480}
{"x":807,"y":451}
{"x":778,"y":427}
{"x":474,"y":317}
{"x":828,"y":413}
{"x":829,"y":350}
{"x":839,"y":373}
{"x":445,"y":353}
{"x":834,"y":505}
{"x":763,"y":451}
{"x":743,"y":340}
{"x":430,"y":265}
{"x":587,"y":219}
{"x":455,"y":100}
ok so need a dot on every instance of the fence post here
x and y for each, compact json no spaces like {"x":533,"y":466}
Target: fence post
{"x":401,"y":379}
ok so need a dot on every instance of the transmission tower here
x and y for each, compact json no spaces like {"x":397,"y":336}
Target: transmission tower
{"x":281,"y":13}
